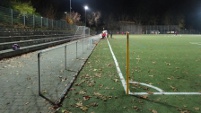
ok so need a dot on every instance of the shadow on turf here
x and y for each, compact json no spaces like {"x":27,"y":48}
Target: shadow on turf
{"x":162,"y":103}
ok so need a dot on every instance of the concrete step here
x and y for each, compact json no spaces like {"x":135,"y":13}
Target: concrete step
{"x":23,"y":43}
{"x":10,"y":52}
{"x":4,"y":39}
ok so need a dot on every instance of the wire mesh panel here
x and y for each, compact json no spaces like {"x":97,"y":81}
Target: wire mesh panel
{"x":5,"y":16}
{"x":58,"y":66}
{"x":54,"y":77}
{"x":10,"y":17}
{"x":71,"y":56}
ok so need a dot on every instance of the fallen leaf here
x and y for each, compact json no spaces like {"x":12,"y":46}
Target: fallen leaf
{"x":94,"y":104}
{"x":97,"y":75}
{"x":173,"y":88}
{"x":115,"y":80}
{"x":197,"y":108}
{"x":86,"y":97}
{"x":151,"y":76}
{"x":150,"y":93}
{"x":26,"y":103}
{"x":136,"y":108}
{"x":144,"y":96}
{"x":65,"y":111}
{"x":154,"y":111}
{"x":82,"y":92}
{"x":109,"y":65}
{"x":84,"y":108}
{"x":81,"y":106}
{"x":169,"y":78}
{"x":185,"y":111}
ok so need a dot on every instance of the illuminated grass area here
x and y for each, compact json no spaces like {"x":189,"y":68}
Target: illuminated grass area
{"x":169,"y":62}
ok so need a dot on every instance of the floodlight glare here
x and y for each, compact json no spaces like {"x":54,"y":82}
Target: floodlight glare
{"x":86,"y":7}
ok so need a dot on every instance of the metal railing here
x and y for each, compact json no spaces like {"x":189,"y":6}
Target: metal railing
{"x":58,"y":67}
{"x":12,"y":18}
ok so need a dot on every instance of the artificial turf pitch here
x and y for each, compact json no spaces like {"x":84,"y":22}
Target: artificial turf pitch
{"x":169,"y":62}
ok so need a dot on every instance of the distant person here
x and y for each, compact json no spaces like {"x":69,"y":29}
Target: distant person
{"x":111,"y":34}
{"x":175,"y":32}
{"x":103,"y":35}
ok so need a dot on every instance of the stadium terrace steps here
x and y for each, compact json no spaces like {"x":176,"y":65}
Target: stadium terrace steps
{"x":30,"y":40}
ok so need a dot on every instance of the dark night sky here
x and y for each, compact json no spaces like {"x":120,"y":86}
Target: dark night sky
{"x":190,"y":9}
{"x":128,"y":6}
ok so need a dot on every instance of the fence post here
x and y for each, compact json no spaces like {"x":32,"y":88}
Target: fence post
{"x":11,"y":11}
{"x":52,"y":24}
{"x":41,"y":22}
{"x":33,"y":21}
{"x":76,"y":50}
{"x":24,"y":20}
{"x":47,"y":22}
{"x":39,"y":85}
{"x":65,"y":57}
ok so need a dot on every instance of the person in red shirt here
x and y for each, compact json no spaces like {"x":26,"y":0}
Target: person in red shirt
{"x":103,"y":35}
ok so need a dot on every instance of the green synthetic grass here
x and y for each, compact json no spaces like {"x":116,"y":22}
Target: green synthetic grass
{"x":169,"y":62}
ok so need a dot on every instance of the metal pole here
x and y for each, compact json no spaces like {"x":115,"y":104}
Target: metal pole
{"x":52,"y":24}
{"x":41,"y":21}
{"x":82,"y":46}
{"x":65,"y":57}
{"x":85,"y":17}
{"x":12,"y":16}
{"x":33,"y":21}
{"x":39,"y":88}
{"x":70,"y":8}
{"x":127,"y":64}
{"x":76,"y":50}
{"x":24,"y":19}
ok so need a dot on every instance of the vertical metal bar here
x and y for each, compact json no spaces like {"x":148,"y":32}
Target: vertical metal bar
{"x":33,"y":21}
{"x":47,"y":22}
{"x":24,"y":19}
{"x":65,"y":57}
{"x":39,"y":87}
{"x":41,"y":21}
{"x":11,"y":16}
{"x":52,"y":24}
{"x":127,"y":64}
{"x":76,"y":50}
{"x":70,"y":8}
{"x":82,"y":46}
{"x":88,"y":42}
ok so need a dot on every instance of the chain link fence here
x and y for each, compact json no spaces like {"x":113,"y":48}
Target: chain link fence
{"x":59,"y":66}
{"x":152,"y":29}
{"x":12,"y":18}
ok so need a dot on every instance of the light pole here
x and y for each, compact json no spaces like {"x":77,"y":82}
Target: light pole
{"x":70,"y":8}
{"x":85,"y":8}
{"x":41,"y":21}
{"x":66,"y":14}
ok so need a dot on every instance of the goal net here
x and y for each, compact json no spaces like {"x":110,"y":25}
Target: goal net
{"x":81,"y":32}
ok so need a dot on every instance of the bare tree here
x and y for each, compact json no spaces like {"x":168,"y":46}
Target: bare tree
{"x":49,"y":12}
{"x":94,"y":18}
{"x":181,"y":21}
{"x":73,"y":18}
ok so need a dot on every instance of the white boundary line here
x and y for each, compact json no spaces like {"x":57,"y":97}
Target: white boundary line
{"x":160,"y":91}
{"x":117,"y":67}
{"x":195,"y":43}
